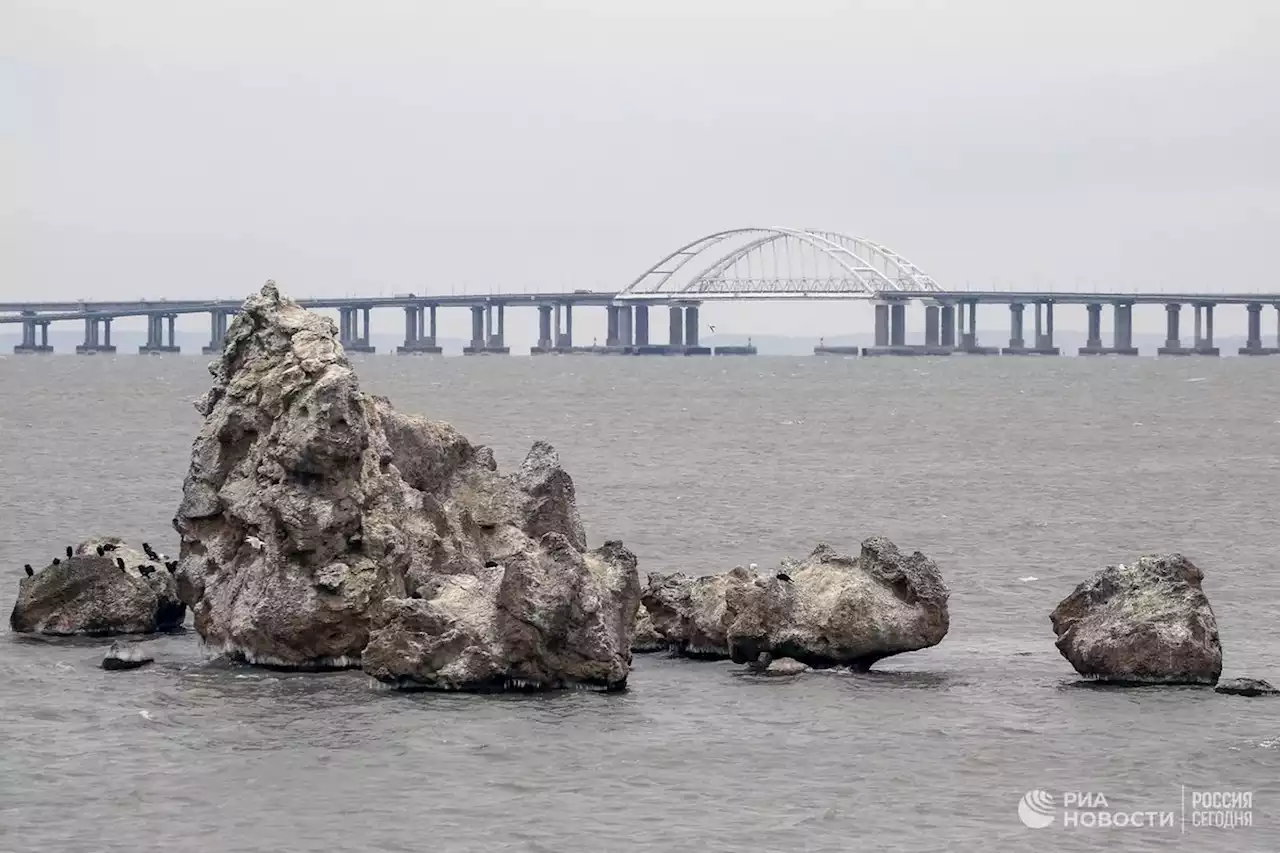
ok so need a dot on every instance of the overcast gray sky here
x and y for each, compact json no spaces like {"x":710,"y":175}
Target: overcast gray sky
{"x":181,"y":149}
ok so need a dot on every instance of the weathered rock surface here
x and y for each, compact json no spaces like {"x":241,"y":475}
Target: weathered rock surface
{"x":783,"y":667}
{"x":826,"y":610}
{"x":1246,"y":687}
{"x":1145,"y":623}
{"x":121,"y":656}
{"x":646,"y":638}
{"x":321,"y":528}
{"x":88,"y":594}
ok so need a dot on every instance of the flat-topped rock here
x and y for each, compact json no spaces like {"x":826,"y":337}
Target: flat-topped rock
{"x":93,"y":594}
{"x":1148,"y":622}
{"x":1246,"y":687}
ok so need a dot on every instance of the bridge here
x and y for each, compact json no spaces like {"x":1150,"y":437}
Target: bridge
{"x":740,"y":264}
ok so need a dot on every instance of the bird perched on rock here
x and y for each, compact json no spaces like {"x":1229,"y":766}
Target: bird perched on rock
{"x":120,"y":563}
{"x":255,"y":543}
{"x":101,"y":551}
{"x":30,"y":571}
{"x":783,"y":576}
{"x":70,"y":553}
{"x":56,"y":561}
{"x":110,"y":546}
{"x":146,"y":549}
{"x":146,"y":571}
{"x":172,"y":566}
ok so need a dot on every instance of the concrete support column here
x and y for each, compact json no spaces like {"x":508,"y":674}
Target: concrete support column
{"x":488,"y":323}
{"x":1047,"y":343}
{"x":412,"y":319}
{"x":642,"y":325}
{"x":1015,"y":326}
{"x":898,"y":324}
{"x":1208,"y":325}
{"x":28,"y":333}
{"x":1123,"y":315}
{"x":1254,"y":339}
{"x":90,"y":332}
{"x":611,"y":326}
{"x":1039,"y":336}
{"x":544,"y":327}
{"x":366,"y":335}
{"x":676,"y":331}
{"x":931,"y":328}
{"x":1172,"y":334}
{"x":882,"y":324}
{"x":106,"y":331}
{"x":691,"y":326}
{"x":1253,"y":345}
{"x":559,"y":325}
{"x":477,"y":326}
{"x":568,"y":324}
{"x":431,"y":338}
{"x":173,"y":319}
{"x":44,"y":334}
{"x":948,"y":326}
{"x":1095,"y":325}
{"x":624,"y":325}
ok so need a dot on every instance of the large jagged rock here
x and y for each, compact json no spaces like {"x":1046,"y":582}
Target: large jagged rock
{"x":88,"y":594}
{"x":321,"y":528}
{"x":1148,"y":622}
{"x":826,"y":610}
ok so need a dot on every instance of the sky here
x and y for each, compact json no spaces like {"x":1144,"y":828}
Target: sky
{"x":168,"y":148}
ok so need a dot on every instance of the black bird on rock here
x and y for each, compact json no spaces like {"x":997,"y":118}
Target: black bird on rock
{"x":109,"y":547}
{"x":172,"y":566}
{"x":101,"y":551}
{"x":30,"y":571}
{"x":120,"y":563}
{"x":70,"y":552}
{"x":783,"y":576}
{"x":56,"y":561}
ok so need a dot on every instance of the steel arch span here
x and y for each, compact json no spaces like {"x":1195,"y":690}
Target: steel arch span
{"x":776,"y":262}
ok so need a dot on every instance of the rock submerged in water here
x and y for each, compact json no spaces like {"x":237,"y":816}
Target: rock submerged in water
{"x":1246,"y":687}
{"x":826,"y":610}
{"x":1144,"y":623}
{"x":121,"y":656}
{"x":89,"y":594}
{"x":321,"y":528}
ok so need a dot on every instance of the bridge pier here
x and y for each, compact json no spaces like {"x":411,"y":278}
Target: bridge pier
{"x":35,"y":337}
{"x":642,"y":325}
{"x":1204,"y":329}
{"x":93,"y":341}
{"x":349,"y":333}
{"x":417,"y":341}
{"x":155,"y":344}
{"x":625,"y":336}
{"x":891,"y":325}
{"x":1122,"y":330}
{"x":969,"y":331}
{"x":1172,"y":335}
{"x":1253,"y":343}
{"x":948,"y":330}
{"x":217,"y":332}
{"x":1042,"y":341}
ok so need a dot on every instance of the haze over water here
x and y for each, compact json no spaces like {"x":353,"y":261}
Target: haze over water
{"x":999,"y":469}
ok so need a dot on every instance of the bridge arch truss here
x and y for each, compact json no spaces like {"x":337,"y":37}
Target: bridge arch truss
{"x":777,"y":262}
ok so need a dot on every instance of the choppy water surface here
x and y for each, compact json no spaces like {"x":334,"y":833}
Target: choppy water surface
{"x":1000,"y":469}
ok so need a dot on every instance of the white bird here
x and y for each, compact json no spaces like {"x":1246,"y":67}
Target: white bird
{"x":255,"y":543}
{"x":754,"y":567}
